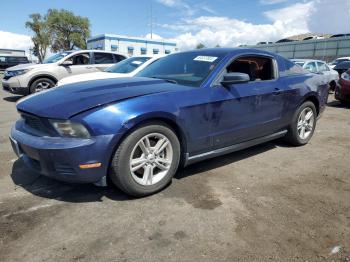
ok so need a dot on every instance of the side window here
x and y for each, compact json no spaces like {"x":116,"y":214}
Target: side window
{"x":118,"y":58}
{"x":322,"y":67}
{"x":311,"y":66}
{"x":80,"y":59}
{"x":257,"y":67}
{"x":103,"y":58}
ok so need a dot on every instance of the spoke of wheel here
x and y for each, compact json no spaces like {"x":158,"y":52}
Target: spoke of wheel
{"x":161,"y":145}
{"x":308,"y":115}
{"x":137,"y":163}
{"x":309,"y":127}
{"x":302,"y":133}
{"x":302,"y":115}
{"x":148,"y":175}
{"x":145,"y":146}
{"x":162,"y":163}
{"x":300,"y":125}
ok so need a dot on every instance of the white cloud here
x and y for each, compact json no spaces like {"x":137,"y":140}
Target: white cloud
{"x":272,"y":2}
{"x":318,"y":16}
{"x":15,"y":41}
{"x":330,"y":16}
{"x":154,"y":36}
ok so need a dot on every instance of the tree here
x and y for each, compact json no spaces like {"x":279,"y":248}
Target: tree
{"x":200,"y":46}
{"x":67,"y":30}
{"x":217,"y":45}
{"x":41,"y":38}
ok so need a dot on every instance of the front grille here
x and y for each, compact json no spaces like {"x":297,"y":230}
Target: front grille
{"x":64,"y":169}
{"x":35,"y":123}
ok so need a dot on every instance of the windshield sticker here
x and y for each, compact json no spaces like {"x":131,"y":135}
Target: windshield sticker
{"x":202,"y":58}
{"x":136,"y":62}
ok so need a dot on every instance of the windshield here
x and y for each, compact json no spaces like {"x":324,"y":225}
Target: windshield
{"x":189,"y":68}
{"x":56,"y":57}
{"x":127,"y":65}
{"x":299,"y":63}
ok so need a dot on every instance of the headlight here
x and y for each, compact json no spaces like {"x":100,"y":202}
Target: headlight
{"x":345,"y":76}
{"x":67,"y":128}
{"x":16,"y":72}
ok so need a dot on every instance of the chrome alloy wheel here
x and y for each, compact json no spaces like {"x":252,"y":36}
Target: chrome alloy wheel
{"x":151,"y":159}
{"x":305,"y":123}
{"x":42,"y":85}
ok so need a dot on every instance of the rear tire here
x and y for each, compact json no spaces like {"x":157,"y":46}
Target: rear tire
{"x":146,"y":160}
{"x":41,"y":84}
{"x":303,"y":125}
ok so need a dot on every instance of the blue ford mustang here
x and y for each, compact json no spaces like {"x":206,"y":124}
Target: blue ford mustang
{"x":181,"y":109}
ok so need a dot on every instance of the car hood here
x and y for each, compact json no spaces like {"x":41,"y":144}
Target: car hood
{"x":26,"y":66}
{"x":88,"y":77}
{"x":68,"y":100}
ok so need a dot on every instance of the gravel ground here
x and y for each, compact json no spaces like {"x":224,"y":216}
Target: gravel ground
{"x":267,"y":203}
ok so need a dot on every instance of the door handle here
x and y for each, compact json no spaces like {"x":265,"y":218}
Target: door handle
{"x":277,"y":91}
{"x":89,"y":67}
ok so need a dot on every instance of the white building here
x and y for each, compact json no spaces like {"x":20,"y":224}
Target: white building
{"x":130,"y":45}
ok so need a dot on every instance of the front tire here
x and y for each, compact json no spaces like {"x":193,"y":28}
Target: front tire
{"x":146,"y":160}
{"x":303,"y":125}
{"x":41,"y":84}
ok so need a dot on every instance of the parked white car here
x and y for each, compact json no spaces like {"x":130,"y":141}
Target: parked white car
{"x":338,"y":61}
{"x":319,"y":67}
{"x":31,"y":78}
{"x":126,"y":68}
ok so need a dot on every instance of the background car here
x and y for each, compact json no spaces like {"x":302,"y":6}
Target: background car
{"x":31,"y":78}
{"x":126,"y":68}
{"x":9,"y":61}
{"x":342,"y":91}
{"x":319,"y":67}
{"x":181,"y":109}
{"x":342,"y":67}
{"x":338,"y":61}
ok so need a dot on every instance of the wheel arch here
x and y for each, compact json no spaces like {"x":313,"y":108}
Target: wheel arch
{"x":166,"y":118}
{"x":34,"y":78}
{"x":314,"y":99}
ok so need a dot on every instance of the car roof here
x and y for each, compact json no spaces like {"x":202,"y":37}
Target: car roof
{"x":232,"y":51}
{"x":95,"y":50}
{"x":307,"y":60}
{"x":344,"y":57}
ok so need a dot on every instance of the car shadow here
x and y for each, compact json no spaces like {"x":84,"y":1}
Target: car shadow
{"x":78,"y":193}
{"x":12,"y":99}
{"x":337,"y":104}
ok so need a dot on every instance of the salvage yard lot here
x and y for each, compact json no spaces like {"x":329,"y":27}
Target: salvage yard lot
{"x":269,"y":202}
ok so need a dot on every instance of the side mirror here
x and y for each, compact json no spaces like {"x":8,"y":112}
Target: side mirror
{"x":234,"y":78}
{"x":67,"y":63}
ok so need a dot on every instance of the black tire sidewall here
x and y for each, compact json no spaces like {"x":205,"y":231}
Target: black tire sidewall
{"x":120,"y":172}
{"x":33,"y":85}
{"x":294,"y":126}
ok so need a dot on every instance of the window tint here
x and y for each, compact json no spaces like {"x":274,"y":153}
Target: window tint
{"x":80,"y":59}
{"x":128,"y":65}
{"x":258,"y":68}
{"x":322,"y":67}
{"x":118,"y":58}
{"x":311,"y":66}
{"x":188,"y":68}
{"x":103,"y":58}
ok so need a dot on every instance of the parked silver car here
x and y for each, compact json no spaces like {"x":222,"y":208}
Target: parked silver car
{"x":319,"y":67}
{"x":30,"y":78}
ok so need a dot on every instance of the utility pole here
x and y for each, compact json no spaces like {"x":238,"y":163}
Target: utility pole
{"x":151,"y":24}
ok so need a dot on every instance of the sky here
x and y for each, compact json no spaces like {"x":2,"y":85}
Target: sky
{"x":187,"y":22}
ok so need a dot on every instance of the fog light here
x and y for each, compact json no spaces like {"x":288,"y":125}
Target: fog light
{"x":93,"y":165}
